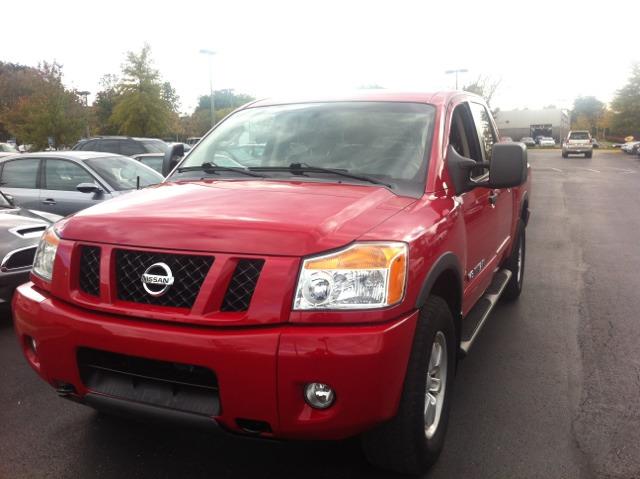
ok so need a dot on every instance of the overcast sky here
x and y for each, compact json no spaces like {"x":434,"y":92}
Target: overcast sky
{"x":544,"y":52}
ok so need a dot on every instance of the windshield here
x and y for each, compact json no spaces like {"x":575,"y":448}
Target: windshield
{"x":155,"y":146}
{"x":579,"y":135}
{"x":382,"y":140}
{"x":122,"y":173}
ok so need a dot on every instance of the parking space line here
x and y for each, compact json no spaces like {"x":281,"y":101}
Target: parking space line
{"x":595,"y":171}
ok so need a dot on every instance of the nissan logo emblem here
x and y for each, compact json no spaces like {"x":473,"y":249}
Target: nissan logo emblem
{"x":157,"y":279}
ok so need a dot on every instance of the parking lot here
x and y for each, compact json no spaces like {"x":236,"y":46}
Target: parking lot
{"x":551,"y":388}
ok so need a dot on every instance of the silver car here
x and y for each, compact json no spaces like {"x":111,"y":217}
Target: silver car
{"x":20,"y":231}
{"x":578,"y":142}
{"x":65,"y":182}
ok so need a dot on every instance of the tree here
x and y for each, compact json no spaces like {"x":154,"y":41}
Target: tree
{"x":104,"y":104}
{"x":16,"y":82}
{"x":140,"y":108}
{"x":50,"y":111}
{"x":587,"y":113}
{"x":226,"y":101}
{"x":626,"y":106}
{"x":485,"y":87}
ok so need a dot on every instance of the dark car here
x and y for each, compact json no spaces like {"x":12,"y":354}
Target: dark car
{"x":65,"y":182}
{"x":122,"y":145}
{"x":20,"y":231}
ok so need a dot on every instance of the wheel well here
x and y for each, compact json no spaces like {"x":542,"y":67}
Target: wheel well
{"x":447,"y":286}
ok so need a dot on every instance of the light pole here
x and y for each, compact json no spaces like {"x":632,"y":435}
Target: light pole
{"x":85,"y":94}
{"x":459,"y":70}
{"x":210,"y":54}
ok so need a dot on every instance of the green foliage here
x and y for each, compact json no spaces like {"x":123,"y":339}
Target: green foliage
{"x":587,"y":113}
{"x":142,"y":107}
{"x":225,"y":102}
{"x":626,"y":106}
{"x":48,"y":109}
{"x":103,"y":105}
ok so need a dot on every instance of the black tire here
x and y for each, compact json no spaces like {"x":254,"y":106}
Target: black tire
{"x":565,"y":155}
{"x":514,"y":286}
{"x":401,"y":444}
{"x":588,"y":155}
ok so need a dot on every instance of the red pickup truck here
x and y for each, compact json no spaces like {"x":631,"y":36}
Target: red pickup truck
{"x":311,"y":269}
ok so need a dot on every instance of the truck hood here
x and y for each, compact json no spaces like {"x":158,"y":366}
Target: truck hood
{"x":291,"y":218}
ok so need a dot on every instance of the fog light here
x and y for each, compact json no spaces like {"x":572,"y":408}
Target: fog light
{"x":318,"y":395}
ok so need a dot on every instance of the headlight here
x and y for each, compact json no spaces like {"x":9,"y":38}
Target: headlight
{"x":46,"y":254}
{"x":362,"y":276}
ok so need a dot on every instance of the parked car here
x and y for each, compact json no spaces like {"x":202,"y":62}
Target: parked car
{"x":66,"y":182}
{"x":547,"y":141}
{"x":506,"y":139}
{"x":20,"y":232}
{"x":578,"y":142}
{"x":152,"y":160}
{"x":323,"y":294}
{"x":122,"y":145}
{"x":595,"y":143}
{"x":193,"y":140}
{"x":630,"y":147}
{"x":7,"y":149}
{"x":527,"y":140}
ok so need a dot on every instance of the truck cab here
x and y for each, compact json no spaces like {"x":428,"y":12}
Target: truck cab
{"x":313,"y":269}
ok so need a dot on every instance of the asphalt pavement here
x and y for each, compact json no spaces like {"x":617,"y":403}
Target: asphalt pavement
{"x":551,"y":388}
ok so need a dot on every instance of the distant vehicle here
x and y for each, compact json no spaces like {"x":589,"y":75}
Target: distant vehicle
{"x":506,"y":139}
{"x":193,"y":140}
{"x":122,"y":145}
{"x":7,"y":149}
{"x":20,"y":232}
{"x":595,"y":143}
{"x":546,"y":141}
{"x":630,"y":147}
{"x":527,"y":140}
{"x":578,"y":142}
{"x":152,"y":160}
{"x":65,"y":182}
{"x":538,"y":138}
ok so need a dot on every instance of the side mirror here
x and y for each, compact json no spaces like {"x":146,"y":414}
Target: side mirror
{"x":171,"y":158}
{"x":508,"y":165}
{"x":89,"y":188}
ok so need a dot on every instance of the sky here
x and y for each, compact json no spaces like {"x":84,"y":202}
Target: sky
{"x":542,"y":52}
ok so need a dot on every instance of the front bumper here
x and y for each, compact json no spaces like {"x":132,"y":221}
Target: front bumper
{"x":261,"y":371}
{"x":9,"y":281}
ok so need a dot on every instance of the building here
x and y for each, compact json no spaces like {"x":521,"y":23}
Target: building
{"x":551,"y":122}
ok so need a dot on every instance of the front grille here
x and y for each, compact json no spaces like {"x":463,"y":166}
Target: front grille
{"x":90,"y":270}
{"x":22,"y":258}
{"x":177,"y":386}
{"x":188,"y":272}
{"x":242,"y":285}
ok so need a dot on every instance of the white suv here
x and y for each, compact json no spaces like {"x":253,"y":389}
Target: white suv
{"x":578,"y":142}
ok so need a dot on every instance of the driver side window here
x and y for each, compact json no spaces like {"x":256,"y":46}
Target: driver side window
{"x":65,"y":175}
{"x":463,"y":137}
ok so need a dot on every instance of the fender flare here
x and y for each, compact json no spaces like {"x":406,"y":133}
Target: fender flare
{"x":524,"y":213}
{"x":448,"y":261}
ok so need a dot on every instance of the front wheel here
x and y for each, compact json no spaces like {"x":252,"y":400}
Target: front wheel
{"x":588,"y":155}
{"x":411,"y":442}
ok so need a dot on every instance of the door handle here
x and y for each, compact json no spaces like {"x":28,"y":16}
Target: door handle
{"x":49,"y":201}
{"x":493,"y":198}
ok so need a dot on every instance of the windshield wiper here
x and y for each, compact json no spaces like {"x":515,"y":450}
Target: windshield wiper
{"x":301,"y":168}
{"x":212,"y":168}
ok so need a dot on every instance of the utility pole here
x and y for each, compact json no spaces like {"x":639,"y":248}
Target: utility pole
{"x":210,"y":54}
{"x":459,"y":70}
{"x":85,"y":95}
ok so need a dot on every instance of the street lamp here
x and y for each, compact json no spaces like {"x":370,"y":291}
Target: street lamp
{"x":210,"y":54}
{"x":459,"y":70}
{"x":85,"y":94}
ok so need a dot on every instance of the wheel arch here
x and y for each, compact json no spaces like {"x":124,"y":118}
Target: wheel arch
{"x":444,"y":279}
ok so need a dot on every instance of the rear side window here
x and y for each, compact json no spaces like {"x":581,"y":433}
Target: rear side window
{"x":579,"y":135}
{"x":110,"y":146}
{"x":65,"y":175}
{"x":88,"y":145}
{"x":20,"y":174}
{"x":154,"y":146}
{"x":130,"y":148}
